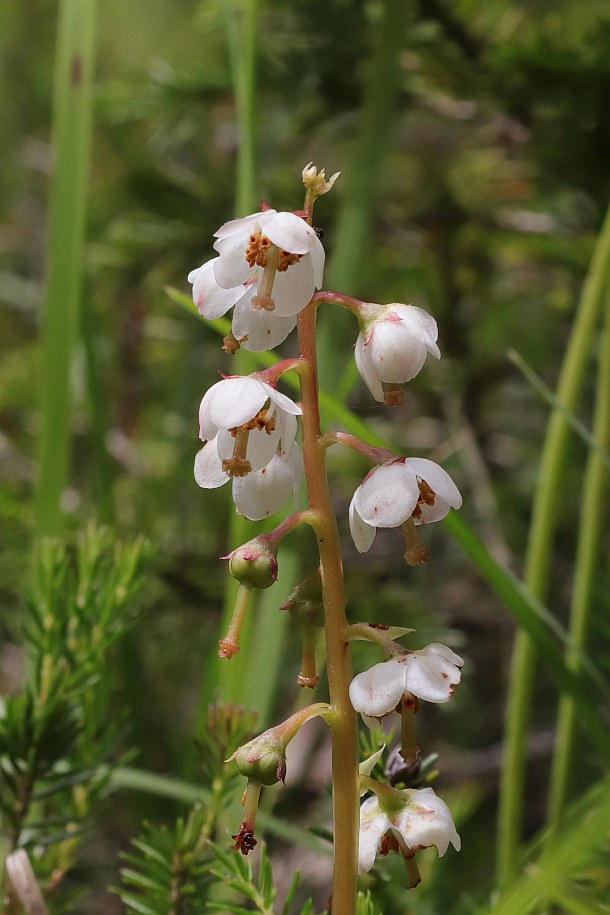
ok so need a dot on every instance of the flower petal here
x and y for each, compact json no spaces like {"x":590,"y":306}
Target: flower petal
{"x":373,"y":826}
{"x":446,"y":492}
{"x":427,"y":325}
{"x":397,"y":350}
{"x":288,"y":231}
{"x":233,"y":402}
{"x":431,"y":675}
{"x":366,"y":369}
{"x":426,"y":821}
{"x":212,"y":300}
{"x":232,"y":268}
{"x":260,"y":494}
{"x":281,"y":400}
{"x":388,"y":496}
{"x":363,"y":534}
{"x":208,"y":467}
{"x":318,"y":257}
{"x":377,"y":691}
{"x":263,"y":329}
{"x":243,"y":226}
{"x":293,"y":288}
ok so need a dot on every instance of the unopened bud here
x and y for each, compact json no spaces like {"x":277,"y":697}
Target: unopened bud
{"x":315,"y":181}
{"x":304,"y":603}
{"x":254,"y":564}
{"x":262,"y":760}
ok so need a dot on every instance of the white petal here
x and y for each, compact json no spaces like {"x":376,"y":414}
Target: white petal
{"x":243,"y":226}
{"x":397,"y":350}
{"x":387,"y":496}
{"x":425,"y":321}
{"x":377,"y":691}
{"x":293,"y":288}
{"x":207,"y":429}
{"x":233,"y":401}
{"x":318,"y":256}
{"x":264,"y":329}
{"x":280,"y":400}
{"x":431,"y":676}
{"x":208,"y":468}
{"x":232,"y":268}
{"x":260,"y":450}
{"x":444,"y":652}
{"x":367,"y":370}
{"x":260,"y":494}
{"x":363,"y":534}
{"x":288,"y":231}
{"x":446,"y":492}
{"x":426,"y":821}
{"x":287,"y":427}
{"x":373,"y":826}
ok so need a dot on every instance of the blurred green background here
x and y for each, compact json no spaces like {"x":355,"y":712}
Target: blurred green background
{"x":473,"y":139}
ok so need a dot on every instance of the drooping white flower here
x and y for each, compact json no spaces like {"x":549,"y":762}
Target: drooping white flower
{"x":419,"y":819}
{"x":431,"y":673}
{"x":259,"y":493}
{"x":394,"y":492}
{"x":392,"y":346}
{"x":268,"y":262}
{"x":256,"y":329}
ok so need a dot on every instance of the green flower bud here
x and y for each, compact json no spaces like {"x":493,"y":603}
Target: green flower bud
{"x":262,"y":760}
{"x":254,"y":564}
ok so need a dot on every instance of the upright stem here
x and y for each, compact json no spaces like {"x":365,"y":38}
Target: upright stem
{"x":343,"y":724}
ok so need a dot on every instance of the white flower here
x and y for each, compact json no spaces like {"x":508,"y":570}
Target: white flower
{"x":396,"y":491}
{"x":392,"y":346}
{"x":268,"y":262}
{"x":432,"y":673}
{"x":249,"y":430}
{"x":256,"y":329}
{"x":422,"y":822}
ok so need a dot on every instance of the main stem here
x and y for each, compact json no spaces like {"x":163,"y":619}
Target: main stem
{"x":339,"y":666}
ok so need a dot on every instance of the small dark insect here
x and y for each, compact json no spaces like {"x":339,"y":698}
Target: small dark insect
{"x":319,"y":232}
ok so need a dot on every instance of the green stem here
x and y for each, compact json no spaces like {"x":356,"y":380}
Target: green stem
{"x":68,"y":195}
{"x":344,"y":727}
{"x":537,"y":564}
{"x":592,"y":520}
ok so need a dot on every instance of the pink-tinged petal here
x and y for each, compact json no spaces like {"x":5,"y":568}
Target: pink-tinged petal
{"x":262,"y":329}
{"x":430,"y":676}
{"x":293,"y":288}
{"x":261,"y":494}
{"x":366,"y":369}
{"x":208,"y":467}
{"x":377,"y":691}
{"x":447,"y":495}
{"x":318,"y":257}
{"x":426,"y":821}
{"x":233,"y":401}
{"x":288,"y":231}
{"x":231,"y":268}
{"x":212,"y":300}
{"x":243,"y":226}
{"x":260,"y":450}
{"x":373,"y":826}
{"x":362,"y":533}
{"x":280,"y":400}
{"x":388,"y":496}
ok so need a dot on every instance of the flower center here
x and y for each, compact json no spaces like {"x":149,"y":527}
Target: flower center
{"x":427,"y":496}
{"x":238,"y":464}
{"x":261,"y":252}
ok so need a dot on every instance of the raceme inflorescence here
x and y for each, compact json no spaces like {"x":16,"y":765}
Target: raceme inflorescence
{"x":269,"y":270}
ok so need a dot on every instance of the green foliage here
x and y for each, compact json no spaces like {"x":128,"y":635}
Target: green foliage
{"x":168,"y":871}
{"x":237,"y":872}
{"x":56,"y":734}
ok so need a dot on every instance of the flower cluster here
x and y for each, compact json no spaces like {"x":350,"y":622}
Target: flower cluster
{"x":268,"y":268}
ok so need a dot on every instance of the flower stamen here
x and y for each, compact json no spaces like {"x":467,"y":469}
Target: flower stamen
{"x":238,"y":464}
{"x":393,"y":394}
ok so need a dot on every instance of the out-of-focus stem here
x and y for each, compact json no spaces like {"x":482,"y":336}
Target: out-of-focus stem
{"x":592,"y":518}
{"x":538,"y":555}
{"x":344,"y":726}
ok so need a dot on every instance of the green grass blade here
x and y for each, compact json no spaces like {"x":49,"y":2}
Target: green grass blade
{"x":68,"y":196}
